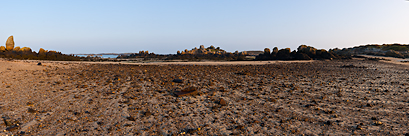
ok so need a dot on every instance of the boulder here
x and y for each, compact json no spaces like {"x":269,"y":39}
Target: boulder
{"x":284,"y":54}
{"x":267,"y":51}
{"x":302,"y":56}
{"x":223,"y":102}
{"x":323,"y":54}
{"x":26,"y":49}
{"x":16,"y":48}
{"x":2,"y":48}
{"x":310,"y":51}
{"x":10,"y":43}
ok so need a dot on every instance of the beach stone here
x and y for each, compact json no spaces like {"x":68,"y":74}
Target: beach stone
{"x":39,"y":63}
{"x":30,"y":104}
{"x":12,"y":128}
{"x":30,"y":110}
{"x":241,"y":127}
{"x":10,"y":43}
{"x":359,"y":127}
{"x":84,"y":86}
{"x":223,"y":102}
{"x":177,"y":80}
{"x":147,"y":113}
{"x":131,"y":118}
{"x":7,"y":123}
{"x":187,"y":91}
{"x":243,"y":73}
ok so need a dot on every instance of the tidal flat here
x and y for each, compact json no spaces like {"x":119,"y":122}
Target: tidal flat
{"x":338,"y":97}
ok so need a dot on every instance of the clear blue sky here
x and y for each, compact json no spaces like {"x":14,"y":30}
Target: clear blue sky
{"x":165,"y":26}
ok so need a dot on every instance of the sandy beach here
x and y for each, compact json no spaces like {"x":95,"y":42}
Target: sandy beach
{"x":339,"y":97}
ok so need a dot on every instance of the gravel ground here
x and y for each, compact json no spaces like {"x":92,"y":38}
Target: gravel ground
{"x":340,"y":97}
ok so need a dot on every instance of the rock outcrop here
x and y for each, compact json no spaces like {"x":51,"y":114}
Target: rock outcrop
{"x":203,"y":51}
{"x":17,"y":48}
{"x":10,"y":43}
{"x":26,"y":49}
{"x":304,"y":53}
{"x":310,"y":51}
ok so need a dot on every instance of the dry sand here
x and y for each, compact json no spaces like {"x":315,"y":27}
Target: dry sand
{"x":270,"y":98}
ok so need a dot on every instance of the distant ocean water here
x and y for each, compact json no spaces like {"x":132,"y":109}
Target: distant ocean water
{"x":102,"y":56}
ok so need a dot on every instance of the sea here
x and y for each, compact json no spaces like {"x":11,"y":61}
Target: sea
{"x":102,"y":56}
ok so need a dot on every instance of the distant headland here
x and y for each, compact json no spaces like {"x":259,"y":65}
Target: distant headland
{"x":303,"y":52}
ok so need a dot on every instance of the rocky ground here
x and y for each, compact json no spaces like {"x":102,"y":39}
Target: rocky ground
{"x":343,"y":97}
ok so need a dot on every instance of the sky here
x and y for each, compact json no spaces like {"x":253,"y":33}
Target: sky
{"x":166,"y":26}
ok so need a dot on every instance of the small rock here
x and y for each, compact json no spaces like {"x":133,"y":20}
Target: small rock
{"x":30,"y":110}
{"x":76,"y":113}
{"x":328,"y":122}
{"x":100,"y":123}
{"x":243,"y":73}
{"x":240,"y":127}
{"x":147,"y":113}
{"x":84,"y":86}
{"x":221,"y":89}
{"x":39,"y":63}
{"x":131,"y":118}
{"x":177,"y":80}
{"x":12,"y":128}
{"x":223,"y":102}
{"x":7,"y":123}
{"x":187,"y":91}
{"x":359,"y":127}
{"x":378,"y":123}
{"x":30,"y":104}
{"x":310,"y":105}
